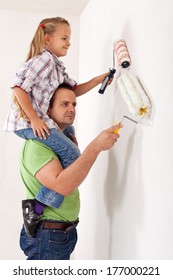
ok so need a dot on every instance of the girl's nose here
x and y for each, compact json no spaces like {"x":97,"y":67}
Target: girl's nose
{"x":68,"y":43}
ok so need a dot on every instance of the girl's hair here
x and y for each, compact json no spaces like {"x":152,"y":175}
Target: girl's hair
{"x":46,"y":26}
{"x":21,"y":113}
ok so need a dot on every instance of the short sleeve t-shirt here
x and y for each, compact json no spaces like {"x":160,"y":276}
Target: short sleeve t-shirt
{"x":34,"y":156}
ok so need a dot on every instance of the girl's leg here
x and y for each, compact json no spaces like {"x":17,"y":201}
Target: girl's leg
{"x":68,"y":131}
{"x":63,"y":147}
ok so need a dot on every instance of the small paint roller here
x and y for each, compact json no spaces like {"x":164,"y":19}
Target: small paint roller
{"x":122,"y":53}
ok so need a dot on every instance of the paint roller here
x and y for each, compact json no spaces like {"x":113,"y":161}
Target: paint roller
{"x":129,"y":85}
{"x":123,"y":60}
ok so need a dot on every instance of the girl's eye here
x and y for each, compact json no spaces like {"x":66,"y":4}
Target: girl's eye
{"x":66,"y":39}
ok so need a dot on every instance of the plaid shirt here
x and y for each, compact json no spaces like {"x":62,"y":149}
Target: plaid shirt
{"x":39,"y":77}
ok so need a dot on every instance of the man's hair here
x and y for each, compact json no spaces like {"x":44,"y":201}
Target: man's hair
{"x":64,"y":85}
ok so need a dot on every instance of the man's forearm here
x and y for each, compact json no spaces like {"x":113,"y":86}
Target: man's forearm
{"x":77,"y":171}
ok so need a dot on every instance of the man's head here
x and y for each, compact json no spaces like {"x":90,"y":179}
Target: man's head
{"x":62,"y":106}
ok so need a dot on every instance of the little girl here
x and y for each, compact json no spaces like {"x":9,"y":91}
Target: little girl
{"x":33,"y":87}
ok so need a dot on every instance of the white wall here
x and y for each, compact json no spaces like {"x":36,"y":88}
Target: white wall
{"x":127,"y":200}
{"x":17,"y":30}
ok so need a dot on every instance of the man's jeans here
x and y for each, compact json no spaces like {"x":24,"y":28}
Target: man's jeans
{"x":67,"y":153}
{"x":49,"y":244}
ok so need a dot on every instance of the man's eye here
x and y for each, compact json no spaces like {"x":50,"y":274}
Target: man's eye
{"x":64,"y":104}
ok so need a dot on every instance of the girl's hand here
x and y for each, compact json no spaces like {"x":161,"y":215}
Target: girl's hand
{"x":101,"y":78}
{"x":39,"y":128}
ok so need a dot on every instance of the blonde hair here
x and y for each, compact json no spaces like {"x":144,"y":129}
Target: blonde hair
{"x":46,"y":26}
{"x":21,"y":113}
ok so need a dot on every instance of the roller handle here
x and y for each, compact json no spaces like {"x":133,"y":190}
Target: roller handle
{"x":117,"y":130}
{"x":106,"y":80}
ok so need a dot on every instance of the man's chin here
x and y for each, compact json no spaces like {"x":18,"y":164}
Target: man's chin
{"x":69,"y":123}
{"x":69,"y":120}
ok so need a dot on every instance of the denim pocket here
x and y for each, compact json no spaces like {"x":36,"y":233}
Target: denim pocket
{"x":59,"y":236}
{"x":30,"y":246}
{"x":59,"y":245}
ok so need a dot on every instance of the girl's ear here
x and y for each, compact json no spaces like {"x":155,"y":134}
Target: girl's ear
{"x":47,"y":39}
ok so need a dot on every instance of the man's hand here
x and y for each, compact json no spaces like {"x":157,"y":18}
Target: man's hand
{"x":107,"y":138}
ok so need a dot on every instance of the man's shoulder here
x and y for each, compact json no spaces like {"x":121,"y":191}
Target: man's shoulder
{"x":34,"y":146}
{"x":34,"y":155}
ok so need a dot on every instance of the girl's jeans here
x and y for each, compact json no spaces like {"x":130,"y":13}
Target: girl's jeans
{"x":66,"y":151}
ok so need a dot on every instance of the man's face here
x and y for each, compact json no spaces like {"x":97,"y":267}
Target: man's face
{"x":63,"y":111}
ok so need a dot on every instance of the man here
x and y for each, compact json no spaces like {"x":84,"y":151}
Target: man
{"x":56,"y":234}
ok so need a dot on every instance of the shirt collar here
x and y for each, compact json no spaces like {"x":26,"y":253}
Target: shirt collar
{"x":56,"y":59}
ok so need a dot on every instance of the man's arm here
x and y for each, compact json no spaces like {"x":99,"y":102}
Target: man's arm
{"x":64,"y":181}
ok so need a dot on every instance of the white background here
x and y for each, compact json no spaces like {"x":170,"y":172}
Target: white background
{"x":127,"y":199}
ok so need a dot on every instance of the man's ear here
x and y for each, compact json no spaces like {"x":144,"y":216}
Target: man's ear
{"x":48,"y":112}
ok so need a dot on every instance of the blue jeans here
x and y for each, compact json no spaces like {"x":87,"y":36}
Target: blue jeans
{"x":49,"y":244}
{"x":66,"y":151}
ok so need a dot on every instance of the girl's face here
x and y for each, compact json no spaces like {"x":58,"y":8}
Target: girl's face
{"x":59,"y":42}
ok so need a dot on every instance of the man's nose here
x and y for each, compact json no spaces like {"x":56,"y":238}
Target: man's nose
{"x":71,"y":108}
